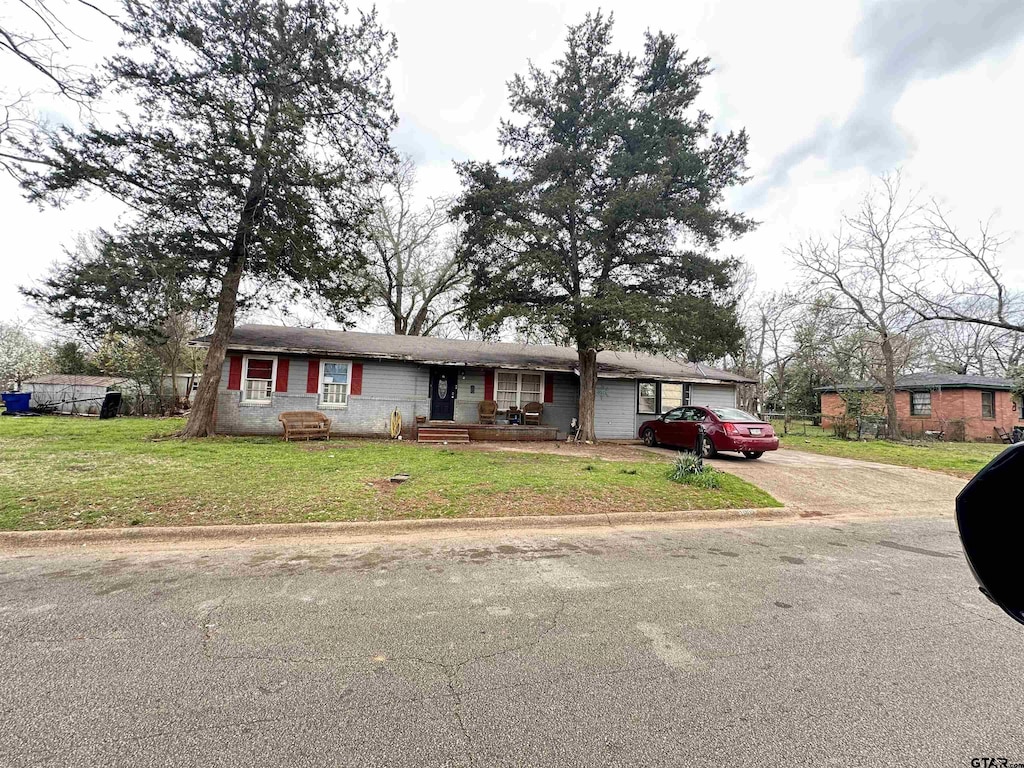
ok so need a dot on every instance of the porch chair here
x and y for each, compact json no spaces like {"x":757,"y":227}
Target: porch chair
{"x":487,"y":412}
{"x":532,"y":413}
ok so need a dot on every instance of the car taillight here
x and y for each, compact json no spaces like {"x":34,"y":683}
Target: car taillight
{"x":730,"y":428}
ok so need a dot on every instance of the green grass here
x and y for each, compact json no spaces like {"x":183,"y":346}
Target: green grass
{"x":76,"y":473}
{"x":959,"y":459}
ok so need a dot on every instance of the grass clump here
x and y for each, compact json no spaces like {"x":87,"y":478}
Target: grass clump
{"x":689,"y":469}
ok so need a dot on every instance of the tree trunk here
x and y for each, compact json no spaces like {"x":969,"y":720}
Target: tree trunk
{"x":892,"y":422}
{"x":201,"y":417}
{"x":588,"y":393}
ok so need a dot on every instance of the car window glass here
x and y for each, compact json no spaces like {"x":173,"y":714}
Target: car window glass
{"x":675,"y":414}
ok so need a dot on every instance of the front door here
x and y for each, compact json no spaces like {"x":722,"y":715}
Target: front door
{"x":444,"y":384}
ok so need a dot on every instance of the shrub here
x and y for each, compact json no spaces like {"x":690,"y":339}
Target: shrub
{"x":689,"y":469}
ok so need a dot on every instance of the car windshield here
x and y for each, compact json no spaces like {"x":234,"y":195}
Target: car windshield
{"x":733,"y":414}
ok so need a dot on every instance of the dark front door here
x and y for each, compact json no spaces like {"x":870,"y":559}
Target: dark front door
{"x":444,"y":383}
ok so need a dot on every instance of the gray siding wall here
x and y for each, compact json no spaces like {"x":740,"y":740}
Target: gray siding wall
{"x":615,"y":409}
{"x":390,"y":384}
{"x":713,"y":395}
{"x":558,"y":413}
{"x":386,"y":385}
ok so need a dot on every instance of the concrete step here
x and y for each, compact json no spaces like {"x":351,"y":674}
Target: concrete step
{"x":442,"y":435}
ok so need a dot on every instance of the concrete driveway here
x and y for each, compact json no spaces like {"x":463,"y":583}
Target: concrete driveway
{"x":829,"y":484}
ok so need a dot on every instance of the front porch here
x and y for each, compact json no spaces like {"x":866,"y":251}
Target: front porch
{"x":450,"y":431}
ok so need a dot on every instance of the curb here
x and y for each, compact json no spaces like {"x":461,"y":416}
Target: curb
{"x":10,"y":540}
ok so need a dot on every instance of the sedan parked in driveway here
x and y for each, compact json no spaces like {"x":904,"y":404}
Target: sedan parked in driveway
{"x":725,"y":429}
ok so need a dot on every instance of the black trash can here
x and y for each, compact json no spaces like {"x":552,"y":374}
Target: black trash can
{"x":111,"y":405}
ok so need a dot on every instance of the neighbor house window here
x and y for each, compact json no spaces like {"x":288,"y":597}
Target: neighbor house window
{"x":334,"y":381}
{"x":259,"y":378}
{"x":660,"y":396}
{"x":647,"y":397}
{"x":920,"y":403}
{"x":988,"y":405}
{"x":516,"y":389}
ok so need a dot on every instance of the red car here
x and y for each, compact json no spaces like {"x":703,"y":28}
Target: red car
{"x":725,"y":429}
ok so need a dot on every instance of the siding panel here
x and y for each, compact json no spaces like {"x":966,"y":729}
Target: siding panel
{"x":615,"y":409}
{"x":713,"y":395}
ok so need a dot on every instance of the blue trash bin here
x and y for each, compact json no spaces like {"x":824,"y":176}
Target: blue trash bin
{"x":16,"y":402}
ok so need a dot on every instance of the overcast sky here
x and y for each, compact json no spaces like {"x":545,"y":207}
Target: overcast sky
{"x":831,"y":94}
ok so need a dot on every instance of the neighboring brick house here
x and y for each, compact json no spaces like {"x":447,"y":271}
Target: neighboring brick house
{"x":964,"y":407}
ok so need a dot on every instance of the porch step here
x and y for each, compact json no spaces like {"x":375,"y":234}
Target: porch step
{"x":442,"y":435}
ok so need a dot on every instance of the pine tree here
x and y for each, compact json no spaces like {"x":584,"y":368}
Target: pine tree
{"x":598,"y":225}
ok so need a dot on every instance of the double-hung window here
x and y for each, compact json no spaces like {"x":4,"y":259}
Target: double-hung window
{"x":517,"y":388}
{"x":988,"y":404}
{"x":259,"y":378}
{"x":660,"y":396}
{"x":647,"y":397}
{"x":671,"y":396}
{"x":920,"y":403}
{"x":335,"y":377}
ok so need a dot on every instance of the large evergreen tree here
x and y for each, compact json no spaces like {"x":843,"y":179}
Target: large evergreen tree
{"x":249,"y":132}
{"x":598,"y":224}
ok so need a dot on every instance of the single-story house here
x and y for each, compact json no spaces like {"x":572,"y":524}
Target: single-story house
{"x":359,"y":379}
{"x":964,"y":407}
{"x":72,"y":393}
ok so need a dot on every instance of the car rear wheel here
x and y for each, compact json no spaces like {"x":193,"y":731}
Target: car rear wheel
{"x":707,"y":448}
{"x":753,"y":454}
{"x":649,"y":438}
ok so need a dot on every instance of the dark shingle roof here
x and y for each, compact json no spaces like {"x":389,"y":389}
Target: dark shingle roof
{"x":928,"y":381}
{"x":427,"y":349}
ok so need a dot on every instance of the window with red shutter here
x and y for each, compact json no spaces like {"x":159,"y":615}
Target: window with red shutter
{"x":235,"y":372}
{"x":313,"y":377}
{"x":281,"y":385}
{"x":357,"y":379}
{"x":258,"y":373}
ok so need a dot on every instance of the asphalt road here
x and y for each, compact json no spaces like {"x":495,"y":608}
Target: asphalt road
{"x":811,"y":643}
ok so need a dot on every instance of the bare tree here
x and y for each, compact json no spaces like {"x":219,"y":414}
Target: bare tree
{"x":864,"y":267}
{"x":38,"y":38}
{"x":415,"y":274}
{"x":971,"y":288}
{"x":957,"y":347}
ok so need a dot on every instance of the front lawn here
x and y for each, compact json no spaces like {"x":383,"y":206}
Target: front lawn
{"x":959,"y":459}
{"x":60,"y":472}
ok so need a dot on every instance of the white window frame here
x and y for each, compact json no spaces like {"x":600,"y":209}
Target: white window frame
{"x":320,"y":384}
{"x":518,"y":373}
{"x":245,"y":378}
{"x":640,"y":398}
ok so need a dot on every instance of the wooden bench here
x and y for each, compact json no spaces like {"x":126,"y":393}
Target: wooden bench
{"x":305,"y":424}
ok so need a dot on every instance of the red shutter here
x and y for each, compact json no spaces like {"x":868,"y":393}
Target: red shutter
{"x":549,"y":388}
{"x":357,"y":379}
{"x":235,"y":372}
{"x":313,"y":377}
{"x":489,"y":384}
{"x":282,"y":375}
